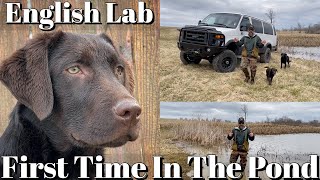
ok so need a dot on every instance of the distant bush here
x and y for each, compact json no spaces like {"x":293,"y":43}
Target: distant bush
{"x":315,"y":29}
{"x":289,"y":121}
{"x":311,"y":29}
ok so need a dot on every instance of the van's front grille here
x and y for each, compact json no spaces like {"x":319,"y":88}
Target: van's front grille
{"x":195,"y":37}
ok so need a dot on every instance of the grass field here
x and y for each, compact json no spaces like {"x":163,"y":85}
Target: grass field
{"x":172,"y":153}
{"x":296,"y":39}
{"x":178,"y":82}
{"x":209,"y":133}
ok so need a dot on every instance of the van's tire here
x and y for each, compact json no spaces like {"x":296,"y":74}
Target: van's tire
{"x":225,"y":62}
{"x":266,"y":56}
{"x":186,"y":59}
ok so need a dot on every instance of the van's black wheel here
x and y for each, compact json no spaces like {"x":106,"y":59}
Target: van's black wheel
{"x":265,"y":58}
{"x":187,"y":59}
{"x":225,"y":62}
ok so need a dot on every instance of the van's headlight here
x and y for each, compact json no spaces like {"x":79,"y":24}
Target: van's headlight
{"x":219,"y":36}
{"x":217,"y":40}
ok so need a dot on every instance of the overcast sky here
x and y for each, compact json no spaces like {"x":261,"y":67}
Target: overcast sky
{"x":231,"y":110}
{"x":178,"y":13}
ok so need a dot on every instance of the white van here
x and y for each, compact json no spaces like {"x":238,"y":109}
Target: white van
{"x":195,"y":42}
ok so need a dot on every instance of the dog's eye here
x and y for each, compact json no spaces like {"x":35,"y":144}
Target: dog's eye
{"x":119,"y":71}
{"x":74,"y":70}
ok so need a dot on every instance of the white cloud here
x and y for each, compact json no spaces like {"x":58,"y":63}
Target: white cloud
{"x":288,"y":12}
{"x":258,"y":111}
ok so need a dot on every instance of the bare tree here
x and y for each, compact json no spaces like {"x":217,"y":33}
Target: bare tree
{"x":271,"y":15}
{"x":268,"y":119}
{"x":245,"y":110}
{"x":309,"y":29}
{"x":299,"y":27}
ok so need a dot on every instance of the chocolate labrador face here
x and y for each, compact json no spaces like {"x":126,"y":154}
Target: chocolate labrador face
{"x":270,"y":73}
{"x":78,"y":86}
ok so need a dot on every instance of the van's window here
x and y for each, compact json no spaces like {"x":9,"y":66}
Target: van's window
{"x":244,"y":23}
{"x":267,"y":28}
{"x":222,"y":20}
{"x":257,"y":25}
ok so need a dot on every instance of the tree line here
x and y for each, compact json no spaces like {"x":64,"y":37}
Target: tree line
{"x":289,"y":121}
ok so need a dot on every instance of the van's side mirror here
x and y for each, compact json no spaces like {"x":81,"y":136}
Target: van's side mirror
{"x":243,"y":28}
{"x":199,"y":22}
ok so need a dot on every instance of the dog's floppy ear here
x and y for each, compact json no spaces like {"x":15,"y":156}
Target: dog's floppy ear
{"x":26,"y":74}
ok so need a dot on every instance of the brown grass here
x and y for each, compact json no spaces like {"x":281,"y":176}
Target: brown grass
{"x":208,"y":133}
{"x":179,"y":82}
{"x":296,"y":39}
{"x":172,"y":153}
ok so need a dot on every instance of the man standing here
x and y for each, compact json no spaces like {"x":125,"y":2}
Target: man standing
{"x":250,"y":52}
{"x":240,"y":147}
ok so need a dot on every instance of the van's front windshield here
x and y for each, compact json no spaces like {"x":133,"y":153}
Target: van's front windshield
{"x":221,"y":20}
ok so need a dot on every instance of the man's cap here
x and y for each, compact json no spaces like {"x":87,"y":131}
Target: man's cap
{"x":241,"y":120}
{"x":250,"y":27}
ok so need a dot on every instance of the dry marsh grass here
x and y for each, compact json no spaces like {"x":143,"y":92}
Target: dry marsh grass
{"x":180,"y":82}
{"x":296,"y":39}
{"x":172,"y":153}
{"x":208,"y":133}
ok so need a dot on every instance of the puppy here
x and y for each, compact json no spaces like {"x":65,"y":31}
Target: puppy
{"x":270,"y":72}
{"x":75,"y":97}
{"x":284,"y":60}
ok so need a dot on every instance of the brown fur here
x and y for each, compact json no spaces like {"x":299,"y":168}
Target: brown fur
{"x":23,"y":78}
{"x":270,"y":73}
{"x":60,"y":114}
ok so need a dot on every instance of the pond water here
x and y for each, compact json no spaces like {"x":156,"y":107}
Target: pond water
{"x":307,"y":53}
{"x":288,"y":147}
{"x":275,"y":148}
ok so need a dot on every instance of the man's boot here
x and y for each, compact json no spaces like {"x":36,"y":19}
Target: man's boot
{"x":246,"y":73}
{"x":253,"y":75}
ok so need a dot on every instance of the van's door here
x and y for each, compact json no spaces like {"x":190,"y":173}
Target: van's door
{"x":243,"y":26}
{"x":243,"y":32}
{"x":259,"y":29}
{"x":270,"y":34}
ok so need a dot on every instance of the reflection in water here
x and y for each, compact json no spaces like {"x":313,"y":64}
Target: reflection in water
{"x":286,"y":148}
{"x":307,"y":53}
{"x":275,"y":148}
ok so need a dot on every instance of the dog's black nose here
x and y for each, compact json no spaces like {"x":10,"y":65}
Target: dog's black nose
{"x":128,"y":110}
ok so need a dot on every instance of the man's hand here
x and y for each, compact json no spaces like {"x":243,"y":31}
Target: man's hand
{"x":235,"y":40}
{"x":230,"y":134}
{"x":251,"y":134}
{"x":264,"y":42}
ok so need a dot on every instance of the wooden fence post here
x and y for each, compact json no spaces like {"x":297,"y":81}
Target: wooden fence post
{"x":12,"y":37}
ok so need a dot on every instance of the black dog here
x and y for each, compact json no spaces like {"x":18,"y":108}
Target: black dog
{"x":270,"y":72}
{"x":284,"y":60}
{"x":74,"y":97}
